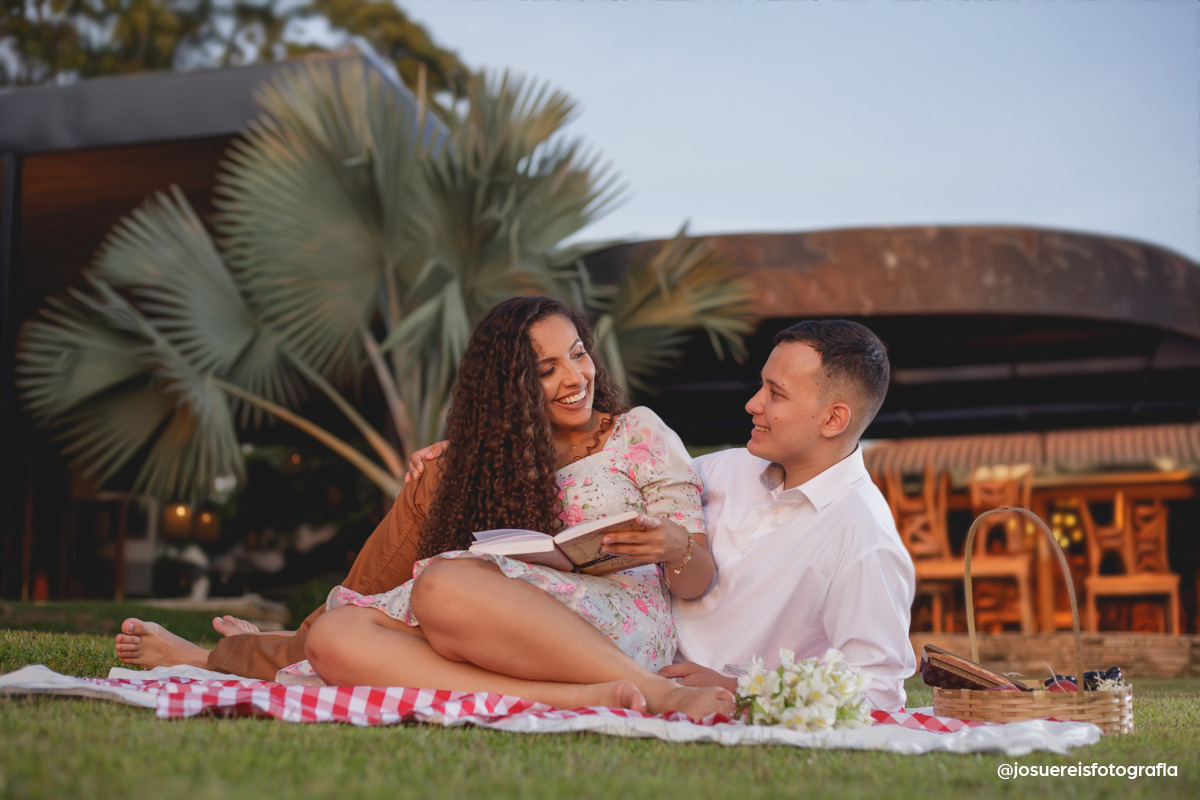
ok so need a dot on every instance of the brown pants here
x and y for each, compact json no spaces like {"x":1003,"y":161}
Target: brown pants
{"x":385,"y":562}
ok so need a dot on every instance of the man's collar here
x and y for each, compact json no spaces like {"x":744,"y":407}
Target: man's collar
{"x":772,"y":477}
{"x":821,"y":489}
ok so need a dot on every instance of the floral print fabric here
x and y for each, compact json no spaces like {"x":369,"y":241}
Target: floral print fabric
{"x":642,"y":467}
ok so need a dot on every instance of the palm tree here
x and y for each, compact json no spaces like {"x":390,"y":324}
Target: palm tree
{"x":357,"y":238}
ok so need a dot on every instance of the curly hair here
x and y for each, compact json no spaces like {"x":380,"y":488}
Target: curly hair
{"x":499,"y":470}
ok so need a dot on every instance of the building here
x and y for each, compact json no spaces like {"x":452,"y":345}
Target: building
{"x":1073,"y":353}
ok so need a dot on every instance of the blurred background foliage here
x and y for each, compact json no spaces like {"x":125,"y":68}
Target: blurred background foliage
{"x":60,"y":41}
{"x":358,"y":240}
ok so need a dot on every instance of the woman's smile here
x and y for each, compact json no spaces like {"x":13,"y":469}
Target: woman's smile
{"x":574,"y":399}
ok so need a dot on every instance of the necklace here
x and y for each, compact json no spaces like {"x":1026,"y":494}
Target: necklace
{"x":599,"y":425}
{"x":590,"y":433}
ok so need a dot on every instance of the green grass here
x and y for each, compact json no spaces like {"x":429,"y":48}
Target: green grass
{"x":75,"y":748}
{"x":103,"y":618}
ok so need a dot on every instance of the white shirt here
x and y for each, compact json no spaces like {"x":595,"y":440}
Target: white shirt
{"x":813,"y":567}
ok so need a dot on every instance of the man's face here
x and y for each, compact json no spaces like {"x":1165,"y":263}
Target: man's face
{"x":788,"y":410}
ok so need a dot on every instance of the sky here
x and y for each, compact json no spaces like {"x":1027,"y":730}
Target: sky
{"x":800,"y":115}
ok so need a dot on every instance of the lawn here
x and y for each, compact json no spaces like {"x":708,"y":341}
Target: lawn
{"x":74,"y":748}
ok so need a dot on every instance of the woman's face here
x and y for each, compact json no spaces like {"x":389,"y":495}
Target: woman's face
{"x":566,"y":371}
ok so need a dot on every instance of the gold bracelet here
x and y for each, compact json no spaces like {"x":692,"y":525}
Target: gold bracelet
{"x":687,"y":556}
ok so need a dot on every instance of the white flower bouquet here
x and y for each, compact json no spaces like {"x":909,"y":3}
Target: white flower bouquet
{"x":806,"y":695}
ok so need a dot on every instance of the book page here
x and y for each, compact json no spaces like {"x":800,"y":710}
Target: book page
{"x":508,"y":533}
{"x":598,"y":525}
{"x":536,"y":549}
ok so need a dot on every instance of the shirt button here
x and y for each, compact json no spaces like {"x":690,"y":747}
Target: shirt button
{"x":775,"y":511}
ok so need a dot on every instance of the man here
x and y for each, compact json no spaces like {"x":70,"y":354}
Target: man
{"x":806,"y":549}
{"x":808,"y":560}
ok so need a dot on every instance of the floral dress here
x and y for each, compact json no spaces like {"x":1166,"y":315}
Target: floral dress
{"x":642,"y":467}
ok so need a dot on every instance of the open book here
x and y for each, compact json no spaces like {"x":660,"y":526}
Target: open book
{"x":574,"y":549}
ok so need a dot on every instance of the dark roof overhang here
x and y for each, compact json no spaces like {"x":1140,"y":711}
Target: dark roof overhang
{"x":990,"y":329}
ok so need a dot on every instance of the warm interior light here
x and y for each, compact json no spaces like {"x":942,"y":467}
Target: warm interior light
{"x":177,"y":520}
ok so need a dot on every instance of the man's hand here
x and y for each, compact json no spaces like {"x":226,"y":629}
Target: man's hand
{"x":416,"y":461}
{"x":691,"y":674}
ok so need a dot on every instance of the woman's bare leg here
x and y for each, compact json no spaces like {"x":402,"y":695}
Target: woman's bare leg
{"x":354,"y":646}
{"x":470,"y":611}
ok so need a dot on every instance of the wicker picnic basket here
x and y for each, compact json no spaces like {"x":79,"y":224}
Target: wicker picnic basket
{"x":1110,"y":709}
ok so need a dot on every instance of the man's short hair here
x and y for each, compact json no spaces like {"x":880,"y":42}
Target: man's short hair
{"x":853,"y":360}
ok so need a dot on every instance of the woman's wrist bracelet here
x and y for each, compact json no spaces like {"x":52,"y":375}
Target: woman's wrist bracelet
{"x":687,"y":556}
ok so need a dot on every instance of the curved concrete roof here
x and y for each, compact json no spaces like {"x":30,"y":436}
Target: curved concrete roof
{"x":958,"y":270}
{"x":989,"y":328}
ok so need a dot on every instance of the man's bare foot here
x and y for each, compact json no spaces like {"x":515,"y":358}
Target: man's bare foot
{"x":616,"y":694}
{"x":148,"y":644}
{"x":623,"y":694}
{"x":230,"y":625}
{"x":697,"y":702}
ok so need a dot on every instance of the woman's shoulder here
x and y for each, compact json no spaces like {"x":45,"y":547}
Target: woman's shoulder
{"x":641,"y":422}
{"x":641,"y":416}
{"x":642,"y":427}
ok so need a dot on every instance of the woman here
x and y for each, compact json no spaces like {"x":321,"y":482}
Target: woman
{"x":537,"y":440}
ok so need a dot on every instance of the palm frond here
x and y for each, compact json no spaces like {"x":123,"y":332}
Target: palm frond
{"x":661,"y":298}
{"x":198,"y":441}
{"x":70,"y":356}
{"x":124,"y":393}
{"x":501,"y":196}
{"x":429,"y":344}
{"x":312,"y":204}
{"x":508,"y":189}
{"x":163,"y":256}
{"x":346,"y":217}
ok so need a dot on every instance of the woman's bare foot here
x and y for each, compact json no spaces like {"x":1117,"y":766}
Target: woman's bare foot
{"x":148,"y":644}
{"x":695,"y":701}
{"x":230,"y":625}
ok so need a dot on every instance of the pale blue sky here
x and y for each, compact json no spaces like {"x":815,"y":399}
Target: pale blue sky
{"x":802,"y":115}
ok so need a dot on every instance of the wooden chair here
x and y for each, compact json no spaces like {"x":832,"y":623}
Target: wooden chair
{"x":1005,"y":560}
{"x":921,"y":522}
{"x":1129,"y":558}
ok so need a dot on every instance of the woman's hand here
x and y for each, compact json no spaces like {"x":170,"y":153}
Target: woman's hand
{"x":653,"y":540}
{"x":416,"y":461}
{"x":650,"y":539}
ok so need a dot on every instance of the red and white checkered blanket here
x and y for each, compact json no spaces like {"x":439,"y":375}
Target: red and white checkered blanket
{"x":174,"y":695}
{"x":387,"y":705}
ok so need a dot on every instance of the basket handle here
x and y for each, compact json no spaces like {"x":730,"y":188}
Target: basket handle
{"x":1062,"y":561}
